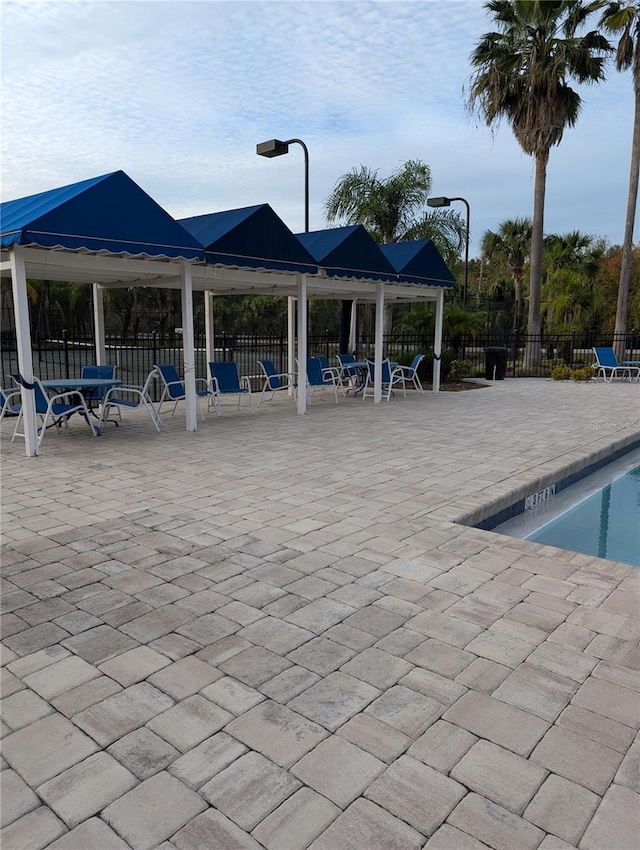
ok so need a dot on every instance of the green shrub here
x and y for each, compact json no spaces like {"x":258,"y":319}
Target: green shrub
{"x":583,"y":374}
{"x":566,"y":373}
{"x":561,"y":373}
{"x":460,"y":369}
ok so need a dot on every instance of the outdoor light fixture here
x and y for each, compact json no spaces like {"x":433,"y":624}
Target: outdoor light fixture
{"x":446,"y":202}
{"x":275,"y":147}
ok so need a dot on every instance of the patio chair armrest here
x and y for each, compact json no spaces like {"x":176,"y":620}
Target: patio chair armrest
{"x":215,"y":388}
{"x":331,"y":371}
{"x":246,"y":382}
{"x":121,"y":390}
{"x":203,"y":382}
{"x":9,"y":395}
{"x":70,"y":394}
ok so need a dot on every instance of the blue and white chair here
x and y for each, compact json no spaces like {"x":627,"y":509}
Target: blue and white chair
{"x":348,"y":372}
{"x":275,"y":381}
{"x":225,"y":381}
{"x":131,"y":398}
{"x":391,"y":377}
{"x":53,"y":410}
{"x":9,"y":402}
{"x":321,"y":376}
{"x":173,"y":389}
{"x":411,"y":372}
{"x":609,"y":368}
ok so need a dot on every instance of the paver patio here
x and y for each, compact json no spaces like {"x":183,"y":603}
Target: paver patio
{"x":278,"y":632}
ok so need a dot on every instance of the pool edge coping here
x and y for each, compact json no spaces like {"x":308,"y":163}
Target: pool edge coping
{"x":510,"y":503}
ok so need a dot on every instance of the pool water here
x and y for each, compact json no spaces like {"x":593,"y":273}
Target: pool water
{"x":605,"y":524}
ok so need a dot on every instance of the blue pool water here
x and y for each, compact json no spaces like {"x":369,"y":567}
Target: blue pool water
{"x":606,"y":524}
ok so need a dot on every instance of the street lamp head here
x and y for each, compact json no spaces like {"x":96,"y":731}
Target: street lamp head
{"x":274,"y":147}
{"x":439,"y":202}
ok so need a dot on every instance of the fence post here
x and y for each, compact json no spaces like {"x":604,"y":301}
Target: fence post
{"x":154,"y":351}
{"x":65,"y":343}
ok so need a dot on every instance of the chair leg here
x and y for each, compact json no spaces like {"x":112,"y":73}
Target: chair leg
{"x":153,"y":415}
{"x":16,"y":426}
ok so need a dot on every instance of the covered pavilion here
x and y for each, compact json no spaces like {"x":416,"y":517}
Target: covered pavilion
{"x":108,"y":232}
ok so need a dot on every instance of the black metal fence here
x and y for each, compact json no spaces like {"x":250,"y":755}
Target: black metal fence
{"x":134,"y":357}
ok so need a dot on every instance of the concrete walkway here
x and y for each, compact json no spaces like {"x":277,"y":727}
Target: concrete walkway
{"x":275,"y":633}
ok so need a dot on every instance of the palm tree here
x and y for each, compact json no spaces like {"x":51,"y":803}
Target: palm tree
{"x":571,"y":297}
{"x":511,"y":243}
{"x":624,"y":18}
{"x":394,"y":209}
{"x":522,"y":73}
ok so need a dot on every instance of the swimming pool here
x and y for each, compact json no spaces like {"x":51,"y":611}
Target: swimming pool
{"x":606,"y":524}
{"x":601,"y":517}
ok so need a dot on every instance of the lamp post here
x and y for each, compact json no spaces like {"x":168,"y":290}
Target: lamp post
{"x":274,"y":147}
{"x":446,"y":202}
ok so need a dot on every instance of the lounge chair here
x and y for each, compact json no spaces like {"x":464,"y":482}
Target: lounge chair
{"x":131,"y":398}
{"x":275,"y":381}
{"x":225,"y":380}
{"x":391,"y":377}
{"x":411,"y":372}
{"x":53,"y":410}
{"x":609,"y":368}
{"x":173,"y":389}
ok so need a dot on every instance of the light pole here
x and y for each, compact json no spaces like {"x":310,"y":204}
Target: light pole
{"x":446,"y":202}
{"x":274,"y":147}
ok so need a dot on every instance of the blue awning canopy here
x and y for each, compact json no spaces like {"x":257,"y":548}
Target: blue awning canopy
{"x":108,"y":214}
{"x":348,"y":252}
{"x":250,"y":237}
{"x":419,"y":262}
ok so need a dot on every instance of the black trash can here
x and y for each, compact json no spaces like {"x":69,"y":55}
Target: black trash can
{"x":495,"y":363}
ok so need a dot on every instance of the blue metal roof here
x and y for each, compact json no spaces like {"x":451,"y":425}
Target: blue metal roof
{"x":253,"y":237}
{"x":419,"y":262}
{"x":109,"y":213}
{"x":348,"y":252}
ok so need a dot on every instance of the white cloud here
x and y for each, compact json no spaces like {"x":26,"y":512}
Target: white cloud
{"x":178,"y":93}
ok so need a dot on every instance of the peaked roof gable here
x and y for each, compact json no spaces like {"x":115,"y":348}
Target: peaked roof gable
{"x":110,"y":214}
{"x":420,"y":262}
{"x":253,"y":237}
{"x":348,"y":252}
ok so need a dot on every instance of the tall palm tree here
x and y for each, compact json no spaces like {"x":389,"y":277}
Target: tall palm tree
{"x":624,"y":18}
{"x":511,"y":243}
{"x":522,"y":73}
{"x":394,"y":209}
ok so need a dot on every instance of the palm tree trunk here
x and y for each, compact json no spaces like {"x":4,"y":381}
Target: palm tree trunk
{"x":516,"y":276}
{"x":532,"y":356}
{"x":627,"y":245}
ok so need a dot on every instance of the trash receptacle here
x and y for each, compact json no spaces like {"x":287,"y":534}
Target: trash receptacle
{"x":495,"y":364}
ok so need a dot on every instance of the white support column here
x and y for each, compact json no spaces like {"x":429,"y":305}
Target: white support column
{"x":98,"y":322}
{"x":353,"y":327}
{"x":209,"y":330}
{"x":291,"y":338}
{"x":302,"y":344}
{"x":188,"y":346}
{"x":437,"y":341}
{"x":377,"y":384}
{"x":23,"y":342}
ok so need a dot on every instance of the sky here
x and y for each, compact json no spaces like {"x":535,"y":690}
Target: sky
{"x":177,"y":94}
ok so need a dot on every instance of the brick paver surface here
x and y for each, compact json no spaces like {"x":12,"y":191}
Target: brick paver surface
{"x":284,"y":632}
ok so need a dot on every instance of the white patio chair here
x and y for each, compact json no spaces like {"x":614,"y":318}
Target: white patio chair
{"x":131,"y":398}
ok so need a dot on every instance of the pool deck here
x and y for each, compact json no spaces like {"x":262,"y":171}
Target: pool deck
{"x":276,"y":633}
